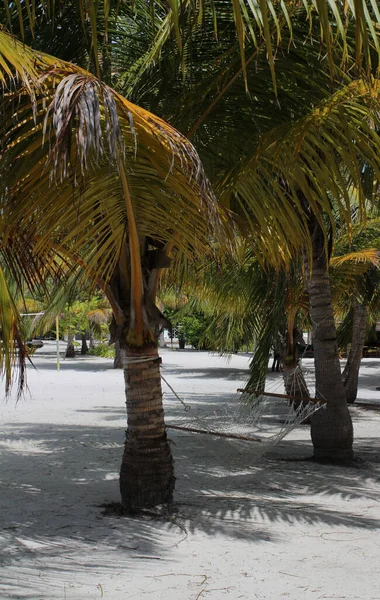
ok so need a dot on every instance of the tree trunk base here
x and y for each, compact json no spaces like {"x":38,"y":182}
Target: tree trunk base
{"x":351,"y":400}
{"x":118,"y":360}
{"x":332,"y":435}
{"x":70,"y":351}
{"x":343,"y":462}
{"x":84,"y":348}
{"x":147,"y":474}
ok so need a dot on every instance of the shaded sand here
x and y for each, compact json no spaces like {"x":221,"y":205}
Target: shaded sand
{"x":240,"y":528}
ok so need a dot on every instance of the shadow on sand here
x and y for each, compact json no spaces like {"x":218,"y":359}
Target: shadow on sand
{"x":60,"y":476}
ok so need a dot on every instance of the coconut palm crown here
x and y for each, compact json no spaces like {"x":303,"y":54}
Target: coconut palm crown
{"x":116,"y":191}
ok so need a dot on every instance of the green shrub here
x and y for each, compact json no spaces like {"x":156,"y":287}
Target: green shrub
{"x":103,"y":350}
{"x":190,"y":327}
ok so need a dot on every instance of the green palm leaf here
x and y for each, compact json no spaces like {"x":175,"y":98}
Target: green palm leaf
{"x":306,"y":164}
{"x":91,"y":172}
{"x":264,"y":23}
{"x":13,"y":352}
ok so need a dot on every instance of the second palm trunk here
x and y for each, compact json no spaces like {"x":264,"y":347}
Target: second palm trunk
{"x":331,"y":427}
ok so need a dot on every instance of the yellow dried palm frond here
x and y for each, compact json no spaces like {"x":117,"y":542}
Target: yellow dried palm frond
{"x":367,"y":257}
{"x":13,"y":352}
{"x":85,"y":169}
{"x":16,"y":60}
{"x":63,"y":166}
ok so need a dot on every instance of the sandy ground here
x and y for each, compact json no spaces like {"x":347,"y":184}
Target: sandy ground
{"x":241,"y":527}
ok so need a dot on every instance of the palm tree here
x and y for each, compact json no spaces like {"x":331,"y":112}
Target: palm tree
{"x":116,"y":200}
{"x":254,"y":304}
{"x":355,"y":270}
{"x":284,"y":175}
{"x":297,"y":157}
{"x":290,"y":164}
{"x":80,"y":316}
{"x":21,"y":281}
{"x":350,"y":373}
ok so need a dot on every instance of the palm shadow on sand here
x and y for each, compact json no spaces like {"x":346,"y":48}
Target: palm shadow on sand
{"x":55,"y":479}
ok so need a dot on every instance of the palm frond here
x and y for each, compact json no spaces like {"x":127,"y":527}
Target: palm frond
{"x":90,"y":172}
{"x":365,"y":257}
{"x":263,"y":24}
{"x":13,"y":352}
{"x":16,"y":61}
{"x":303,"y":166}
{"x":162,"y":166}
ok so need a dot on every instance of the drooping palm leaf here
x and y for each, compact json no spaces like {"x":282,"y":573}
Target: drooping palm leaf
{"x":89,"y":165}
{"x":76,"y":99}
{"x":263,"y":22}
{"x":355,"y":273}
{"x":16,"y":61}
{"x":306,"y":164}
{"x":13,"y":351}
{"x":211,"y":104}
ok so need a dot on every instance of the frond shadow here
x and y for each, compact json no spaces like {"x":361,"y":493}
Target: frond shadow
{"x":61,"y":475}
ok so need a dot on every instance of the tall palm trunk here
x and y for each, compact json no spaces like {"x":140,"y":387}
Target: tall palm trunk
{"x":331,"y":427}
{"x":351,"y":370}
{"x":294,"y":380}
{"x":146,"y":475}
{"x":92,"y":339}
{"x":118,"y":361}
{"x":84,"y":348}
{"x":70,"y":350}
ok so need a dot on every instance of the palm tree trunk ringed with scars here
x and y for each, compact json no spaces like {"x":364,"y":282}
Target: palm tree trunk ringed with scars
{"x":351,"y":370}
{"x":146,"y":473}
{"x":331,"y":427}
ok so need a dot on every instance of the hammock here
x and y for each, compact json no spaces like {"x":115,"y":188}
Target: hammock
{"x":260,"y":417}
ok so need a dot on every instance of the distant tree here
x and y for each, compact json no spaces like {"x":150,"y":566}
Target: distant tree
{"x":81,"y":317}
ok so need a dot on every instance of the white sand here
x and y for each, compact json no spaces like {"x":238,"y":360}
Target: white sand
{"x":240,"y":528}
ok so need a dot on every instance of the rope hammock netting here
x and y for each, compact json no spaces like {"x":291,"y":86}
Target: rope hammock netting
{"x":257,"y":416}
